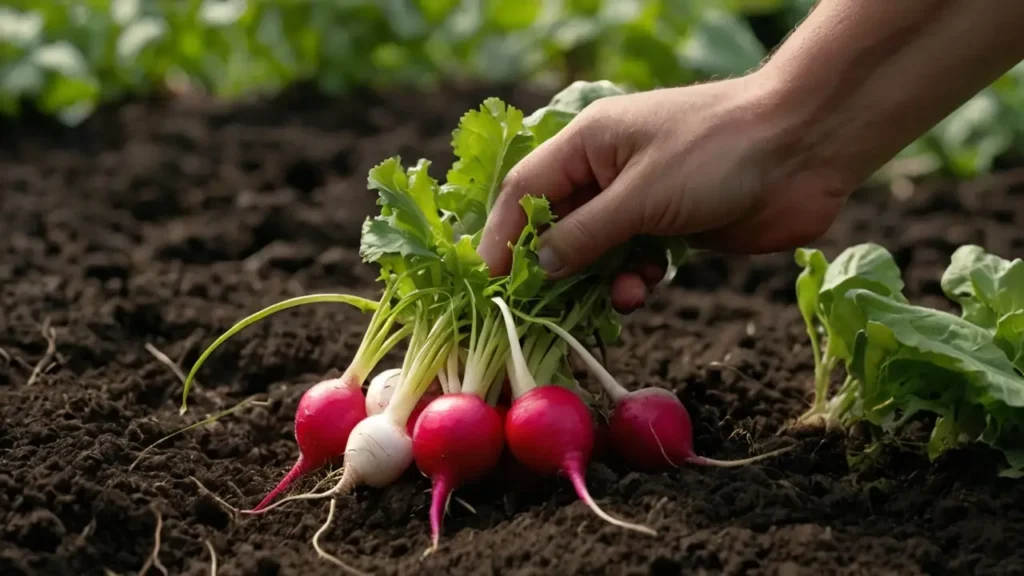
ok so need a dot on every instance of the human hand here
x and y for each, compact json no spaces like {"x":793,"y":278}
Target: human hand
{"x":712,"y":163}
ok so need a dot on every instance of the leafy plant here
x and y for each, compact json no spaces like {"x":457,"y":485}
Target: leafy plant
{"x":902,"y":359}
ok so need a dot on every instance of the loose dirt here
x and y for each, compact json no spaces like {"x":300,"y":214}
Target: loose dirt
{"x":163,"y":223}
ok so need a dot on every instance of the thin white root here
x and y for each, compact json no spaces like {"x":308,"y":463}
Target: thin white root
{"x":51,"y":348}
{"x":213,"y":558}
{"x":166,"y":361}
{"x":702,"y":461}
{"x":581,"y":491}
{"x":326,"y":555}
{"x":589,"y":501}
{"x":343,"y":486}
{"x":464,"y":504}
{"x":219,"y":500}
{"x":154,"y":556}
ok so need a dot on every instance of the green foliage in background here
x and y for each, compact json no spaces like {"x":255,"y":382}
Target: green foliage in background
{"x":66,"y":57}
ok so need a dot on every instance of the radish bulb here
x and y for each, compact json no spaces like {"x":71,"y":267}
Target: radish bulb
{"x":379,"y":447}
{"x":549,"y":428}
{"x":649,"y":428}
{"x":326,"y":415}
{"x":329,"y":410}
{"x":458,"y":439}
{"x":382,"y":388}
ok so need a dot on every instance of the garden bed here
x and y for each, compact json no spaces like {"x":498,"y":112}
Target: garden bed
{"x":164,"y":223}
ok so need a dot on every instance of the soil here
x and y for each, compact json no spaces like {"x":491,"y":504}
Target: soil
{"x":162,"y":223}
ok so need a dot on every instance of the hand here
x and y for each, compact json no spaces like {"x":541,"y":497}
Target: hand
{"x":763,"y":162}
{"x":711,"y":163}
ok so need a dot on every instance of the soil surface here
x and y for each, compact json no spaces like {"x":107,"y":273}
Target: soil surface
{"x":161,"y":224}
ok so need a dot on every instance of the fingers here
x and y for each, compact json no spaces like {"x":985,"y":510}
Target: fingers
{"x":555,"y":169}
{"x":586,"y":234}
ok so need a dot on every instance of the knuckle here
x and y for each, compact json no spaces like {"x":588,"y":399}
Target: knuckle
{"x":573,"y":234}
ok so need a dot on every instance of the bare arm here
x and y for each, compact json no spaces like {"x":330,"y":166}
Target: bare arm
{"x":763,"y":162}
{"x":862,"y":79}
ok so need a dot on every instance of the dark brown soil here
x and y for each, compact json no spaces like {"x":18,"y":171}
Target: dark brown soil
{"x":162,"y":224}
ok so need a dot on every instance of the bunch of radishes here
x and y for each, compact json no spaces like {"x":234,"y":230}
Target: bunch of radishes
{"x":468,"y":335}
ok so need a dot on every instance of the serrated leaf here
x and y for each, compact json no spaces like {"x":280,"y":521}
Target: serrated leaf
{"x":488,"y":142}
{"x":380,"y":238}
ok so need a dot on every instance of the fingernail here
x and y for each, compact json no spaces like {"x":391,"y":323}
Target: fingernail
{"x":548,"y":260}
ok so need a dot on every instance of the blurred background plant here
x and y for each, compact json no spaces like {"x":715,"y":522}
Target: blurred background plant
{"x":67,"y":57}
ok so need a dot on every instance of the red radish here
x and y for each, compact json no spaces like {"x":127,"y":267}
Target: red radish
{"x":549,"y":428}
{"x":328,"y":411}
{"x":629,"y":292}
{"x":414,"y":416}
{"x":458,"y":439}
{"x":379,"y":448}
{"x":649,"y":428}
{"x":325,"y":417}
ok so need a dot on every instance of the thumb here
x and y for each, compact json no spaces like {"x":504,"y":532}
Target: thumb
{"x":555,"y":169}
{"x":590,"y":231}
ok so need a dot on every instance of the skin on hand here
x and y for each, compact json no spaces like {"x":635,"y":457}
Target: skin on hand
{"x":764,"y":162}
{"x":699,"y":162}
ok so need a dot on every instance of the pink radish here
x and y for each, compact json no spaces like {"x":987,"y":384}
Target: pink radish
{"x":325,"y":417}
{"x":328,"y":411}
{"x":458,"y":439}
{"x":549,"y":428}
{"x":649,"y":428}
{"x":379,"y":448}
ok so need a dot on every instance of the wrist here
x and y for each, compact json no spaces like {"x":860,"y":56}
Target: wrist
{"x":800,"y":150}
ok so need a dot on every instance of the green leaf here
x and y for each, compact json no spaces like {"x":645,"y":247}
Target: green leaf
{"x":465,"y":265}
{"x":1009,"y":337}
{"x":956,"y":429}
{"x":538,"y":211}
{"x":512,"y":14}
{"x":722,"y":44}
{"x":487,"y":142}
{"x":865,"y":266}
{"x":380,"y":238}
{"x":547,"y":121}
{"x":408,"y":201}
{"x":808,"y":284}
{"x":985,"y":285}
{"x":526,"y":277}
{"x":906,"y":351}
{"x":990,"y":292}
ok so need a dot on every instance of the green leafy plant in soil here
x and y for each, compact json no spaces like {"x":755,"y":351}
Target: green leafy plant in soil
{"x":902,"y":359}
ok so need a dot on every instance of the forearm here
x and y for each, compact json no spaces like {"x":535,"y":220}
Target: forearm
{"x":861,"y":79}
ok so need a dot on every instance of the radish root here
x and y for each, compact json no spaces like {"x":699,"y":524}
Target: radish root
{"x":327,"y":555}
{"x":213,"y":558}
{"x":702,"y":461}
{"x":344,"y":486}
{"x":51,"y":348}
{"x":154,"y":556}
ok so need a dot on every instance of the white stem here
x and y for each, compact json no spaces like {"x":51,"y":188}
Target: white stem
{"x":608,"y":382}
{"x":454,"y":385}
{"x":442,"y":377}
{"x":518,"y":373}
